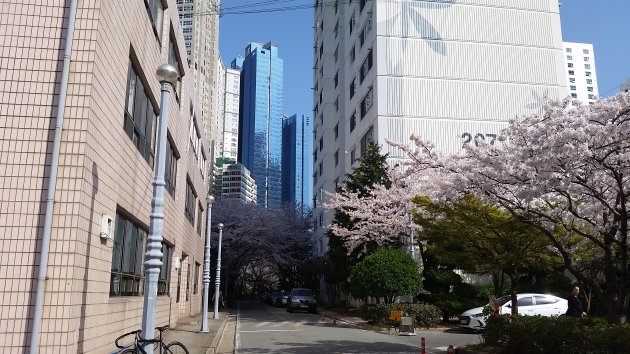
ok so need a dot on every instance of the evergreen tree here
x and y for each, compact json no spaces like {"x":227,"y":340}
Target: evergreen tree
{"x":372,"y":170}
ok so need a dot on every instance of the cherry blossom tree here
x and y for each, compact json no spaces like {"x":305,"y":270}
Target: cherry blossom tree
{"x":261,"y":245}
{"x":566,"y":173}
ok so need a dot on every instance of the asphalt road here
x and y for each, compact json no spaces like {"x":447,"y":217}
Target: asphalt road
{"x":265,"y":329}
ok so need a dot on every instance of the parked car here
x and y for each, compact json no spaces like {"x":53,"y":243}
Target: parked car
{"x":301,"y":299}
{"x":528,"y":305}
{"x":282,"y":299}
{"x":273,"y":297}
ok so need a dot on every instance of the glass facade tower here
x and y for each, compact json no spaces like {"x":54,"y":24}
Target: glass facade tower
{"x":297,"y":161}
{"x":260,"y":123}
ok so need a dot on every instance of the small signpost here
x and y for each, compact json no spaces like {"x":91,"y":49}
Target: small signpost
{"x":406,"y":327}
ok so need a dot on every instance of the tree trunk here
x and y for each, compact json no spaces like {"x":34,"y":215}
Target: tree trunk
{"x":513,"y":289}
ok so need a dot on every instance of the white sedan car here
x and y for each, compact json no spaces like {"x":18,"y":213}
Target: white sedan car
{"x":528,"y":305}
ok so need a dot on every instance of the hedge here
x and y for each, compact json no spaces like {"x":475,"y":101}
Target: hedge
{"x":424,"y":315}
{"x":562,"y":335}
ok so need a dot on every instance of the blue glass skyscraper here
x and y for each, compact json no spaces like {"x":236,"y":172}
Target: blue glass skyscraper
{"x":297,"y":161}
{"x":260,"y":123}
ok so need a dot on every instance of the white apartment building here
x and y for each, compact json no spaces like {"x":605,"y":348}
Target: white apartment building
{"x":231,"y":111}
{"x":228,"y":91}
{"x":448,"y":71}
{"x":581,"y":74}
{"x":200,"y":24}
{"x":220,"y":114}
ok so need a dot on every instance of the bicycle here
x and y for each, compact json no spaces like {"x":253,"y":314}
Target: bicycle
{"x":173,"y":347}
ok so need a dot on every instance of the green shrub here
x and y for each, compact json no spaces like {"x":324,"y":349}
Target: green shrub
{"x":536,"y":334}
{"x":424,"y":315}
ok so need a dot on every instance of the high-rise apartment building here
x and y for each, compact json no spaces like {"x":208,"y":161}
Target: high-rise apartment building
{"x":297,"y":161}
{"x":579,"y":59}
{"x":99,"y":216}
{"x":233,"y":181}
{"x":200,"y":24}
{"x":229,"y":86}
{"x":220,"y":114}
{"x":260,"y":123}
{"x":448,"y":71}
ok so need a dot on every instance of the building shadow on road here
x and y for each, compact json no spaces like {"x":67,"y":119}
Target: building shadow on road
{"x":335,"y":346}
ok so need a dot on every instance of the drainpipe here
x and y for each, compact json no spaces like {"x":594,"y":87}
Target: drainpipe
{"x":52,"y":184}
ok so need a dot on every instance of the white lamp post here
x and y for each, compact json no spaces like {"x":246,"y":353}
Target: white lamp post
{"x":167,"y":75}
{"x":217,"y":281}
{"x":206,"y":268}
{"x":412,"y":250}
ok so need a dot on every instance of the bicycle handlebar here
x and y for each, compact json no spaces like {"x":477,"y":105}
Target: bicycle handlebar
{"x":123,"y":336}
{"x":139,"y":339}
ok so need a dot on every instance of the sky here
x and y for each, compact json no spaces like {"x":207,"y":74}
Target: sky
{"x":600,"y":22}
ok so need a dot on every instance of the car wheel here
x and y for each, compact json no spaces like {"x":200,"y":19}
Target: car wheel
{"x":312,"y":311}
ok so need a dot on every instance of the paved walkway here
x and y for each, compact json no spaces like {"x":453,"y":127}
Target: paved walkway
{"x":187,"y":332}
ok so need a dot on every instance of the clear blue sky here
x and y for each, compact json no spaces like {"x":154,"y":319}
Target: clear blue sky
{"x":604,"y":23}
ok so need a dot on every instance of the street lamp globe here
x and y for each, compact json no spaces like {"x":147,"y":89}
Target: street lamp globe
{"x":167,"y":73}
{"x":210,"y":200}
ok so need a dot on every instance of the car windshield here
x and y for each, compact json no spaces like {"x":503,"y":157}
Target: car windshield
{"x":302,"y":292}
{"x":504,"y":300}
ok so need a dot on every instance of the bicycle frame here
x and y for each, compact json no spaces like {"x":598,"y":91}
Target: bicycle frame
{"x":140,"y":342}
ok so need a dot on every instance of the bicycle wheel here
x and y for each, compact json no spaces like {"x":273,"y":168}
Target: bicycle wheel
{"x":130,"y":350}
{"x":176,"y":348}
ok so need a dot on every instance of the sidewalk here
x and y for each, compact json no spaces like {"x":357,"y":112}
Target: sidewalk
{"x":216,"y":340}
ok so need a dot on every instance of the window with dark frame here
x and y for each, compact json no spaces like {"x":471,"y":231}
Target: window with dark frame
{"x":156,"y":14}
{"x":366,"y":103}
{"x":173,"y":59}
{"x":164,"y":279}
{"x":188,"y":282}
{"x":191,"y":198}
{"x":199,"y":218}
{"x":367,"y":138}
{"x":170,"y":174}
{"x":196,"y":280}
{"x":366,"y":66}
{"x":179,"y":284}
{"x":353,"y":121}
{"x":195,"y":138}
{"x":353,"y":87}
{"x":127,"y":276}
{"x":140,"y":116}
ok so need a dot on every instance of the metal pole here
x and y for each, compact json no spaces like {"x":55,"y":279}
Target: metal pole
{"x":167,"y":74}
{"x":412,"y":251}
{"x":52,"y":184}
{"x":206,"y":268}
{"x":217,"y":281}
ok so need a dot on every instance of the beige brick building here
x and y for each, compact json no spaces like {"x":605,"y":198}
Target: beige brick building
{"x":93,"y":291}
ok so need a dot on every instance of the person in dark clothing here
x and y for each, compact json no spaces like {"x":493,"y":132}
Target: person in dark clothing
{"x":575,"y":304}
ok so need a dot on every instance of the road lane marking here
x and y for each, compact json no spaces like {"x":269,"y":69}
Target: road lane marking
{"x":280,"y":324}
{"x":262,"y":324}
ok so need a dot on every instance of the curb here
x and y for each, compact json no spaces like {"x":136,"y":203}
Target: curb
{"x":217,"y":338}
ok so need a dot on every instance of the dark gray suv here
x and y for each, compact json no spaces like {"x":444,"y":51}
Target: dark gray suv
{"x":301,"y":299}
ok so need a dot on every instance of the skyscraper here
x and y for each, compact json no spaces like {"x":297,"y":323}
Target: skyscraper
{"x":441,"y":69}
{"x":260,"y":123}
{"x":581,"y":74}
{"x":297,"y":161}
{"x":199,"y":20}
